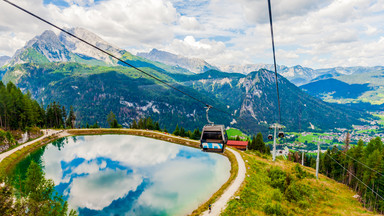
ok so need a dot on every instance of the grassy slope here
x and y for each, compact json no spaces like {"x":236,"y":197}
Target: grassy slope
{"x":309,"y":138}
{"x":381,"y":118}
{"x":233,"y":132}
{"x":326,"y":197}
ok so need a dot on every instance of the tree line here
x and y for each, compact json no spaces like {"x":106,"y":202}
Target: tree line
{"x":19,"y":111}
{"x":364,"y":162}
{"x":35,"y":196}
{"x":148,"y":123}
{"x":257,"y":144}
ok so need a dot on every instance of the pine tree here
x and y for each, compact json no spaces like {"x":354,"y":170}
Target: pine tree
{"x":70,"y":122}
{"x":149,"y":124}
{"x":182,"y":132}
{"x":346,"y":142}
{"x":134,"y":125}
{"x":177,"y":131}
{"x":157,"y":126}
{"x":259,"y":143}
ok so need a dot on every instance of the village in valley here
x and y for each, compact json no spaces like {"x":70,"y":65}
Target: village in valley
{"x":307,"y":141}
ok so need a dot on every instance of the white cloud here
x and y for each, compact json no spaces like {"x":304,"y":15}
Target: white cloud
{"x":97,"y":182}
{"x":98,"y":190}
{"x":314,"y":33}
{"x":189,"y":23}
{"x":171,"y":179}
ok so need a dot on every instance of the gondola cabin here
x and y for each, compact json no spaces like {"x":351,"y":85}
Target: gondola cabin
{"x":213,"y":138}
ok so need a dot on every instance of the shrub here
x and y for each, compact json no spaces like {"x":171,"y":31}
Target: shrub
{"x":297,"y":191}
{"x":274,"y":208}
{"x":278,"y":178}
{"x":300,"y":173}
{"x":277,"y":195}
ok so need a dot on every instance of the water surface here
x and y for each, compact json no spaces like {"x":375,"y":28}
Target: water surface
{"x":129,"y":175}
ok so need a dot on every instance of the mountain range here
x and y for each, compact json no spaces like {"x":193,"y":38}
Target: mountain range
{"x":56,"y":68}
{"x":298,"y":74}
{"x":364,"y":89}
{"x":4,"y":59}
{"x":194,"y":65}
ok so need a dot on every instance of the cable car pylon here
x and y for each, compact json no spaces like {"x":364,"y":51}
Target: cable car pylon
{"x":275,"y":127}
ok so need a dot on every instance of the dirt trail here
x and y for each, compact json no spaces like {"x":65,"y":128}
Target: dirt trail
{"x":221,"y":203}
{"x":47,"y":133}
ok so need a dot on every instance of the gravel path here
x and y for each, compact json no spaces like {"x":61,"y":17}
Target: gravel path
{"x":221,"y":203}
{"x":46,"y":134}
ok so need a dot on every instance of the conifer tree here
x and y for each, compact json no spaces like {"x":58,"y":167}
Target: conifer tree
{"x":177,"y":131}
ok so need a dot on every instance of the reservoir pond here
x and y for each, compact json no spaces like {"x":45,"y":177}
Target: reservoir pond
{"x":129,"y":175}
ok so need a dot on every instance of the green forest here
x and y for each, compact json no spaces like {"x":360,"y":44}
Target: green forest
{"x":361,"y":167}
{"x":19,"y":111}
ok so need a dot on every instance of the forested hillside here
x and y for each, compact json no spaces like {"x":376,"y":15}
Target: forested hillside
{"x":360,"y":167}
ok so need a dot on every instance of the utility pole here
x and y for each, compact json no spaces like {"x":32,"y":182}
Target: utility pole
{"x":302,"y":159}
{"x":318,"y":159}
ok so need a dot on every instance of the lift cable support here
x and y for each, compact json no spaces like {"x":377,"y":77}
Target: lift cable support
{"x":115,"y":57}
{"x":275,"y":127}
{"x":319,"y":142}
{"x":355,"y":177}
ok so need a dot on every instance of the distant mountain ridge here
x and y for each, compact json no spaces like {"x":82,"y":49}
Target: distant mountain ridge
{"x":4,"y":59}
{"x":359,"y":87}
{"x":300,"y":75}
{"x":49,"y":47}
{"x":53,"y":68}
{"x":192,"y":64}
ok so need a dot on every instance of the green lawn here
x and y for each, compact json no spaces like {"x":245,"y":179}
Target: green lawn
{"x":263,"y":194}
{"x":381,"y":118}
{"x":233,"y":132}
{"x":309,"y":138}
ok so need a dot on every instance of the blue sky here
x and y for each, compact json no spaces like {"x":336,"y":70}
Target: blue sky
{"x":316,"y":33}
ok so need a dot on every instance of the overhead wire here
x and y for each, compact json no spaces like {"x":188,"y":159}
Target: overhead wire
{"x":362,"y":163}
{"x":274,"y":57}
{"x":115,"y":57}
{"x":355,"y":177}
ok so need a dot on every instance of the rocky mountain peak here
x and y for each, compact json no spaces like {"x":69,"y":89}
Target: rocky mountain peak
{"x":81,"y":48}
{"x":195,"y":65}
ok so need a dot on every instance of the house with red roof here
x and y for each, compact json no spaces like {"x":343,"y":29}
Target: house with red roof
{"x":240,"y":145}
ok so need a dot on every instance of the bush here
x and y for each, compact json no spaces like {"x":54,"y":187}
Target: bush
{"x":277,"y":195}
{"x":274,"y":208}
{"x":300,"y":173}
{"x":278,"y":178}
{"x":297,"y":191}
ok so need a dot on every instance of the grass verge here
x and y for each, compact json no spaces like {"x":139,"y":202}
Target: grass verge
{"x":9,"y":162}
{"x":278,"y":188}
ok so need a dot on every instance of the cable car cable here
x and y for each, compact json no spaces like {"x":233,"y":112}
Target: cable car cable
{"x":356,"y":177}
{"x":363,"y":164}
{"x":274,"y":58}
{"x":115,"y":57}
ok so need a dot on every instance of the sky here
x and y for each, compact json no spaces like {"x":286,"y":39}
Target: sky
{"x":315,"y":33}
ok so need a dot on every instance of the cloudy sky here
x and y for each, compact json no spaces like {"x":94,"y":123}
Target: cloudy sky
{"x":312,"y":33}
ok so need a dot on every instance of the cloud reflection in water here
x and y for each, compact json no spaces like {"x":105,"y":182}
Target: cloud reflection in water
{"x":130,"y":175}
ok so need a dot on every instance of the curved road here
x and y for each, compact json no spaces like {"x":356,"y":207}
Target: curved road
{"x":221,"y":203}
